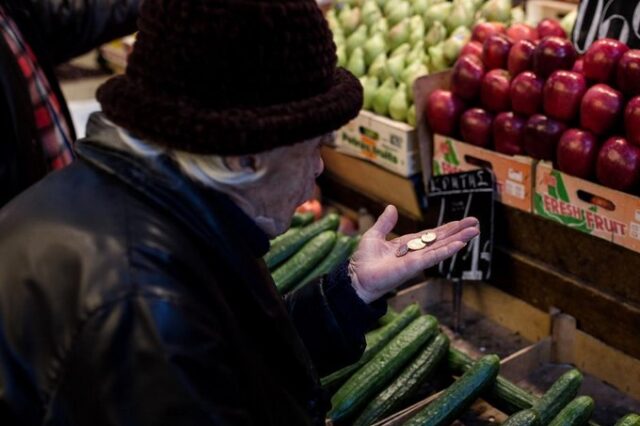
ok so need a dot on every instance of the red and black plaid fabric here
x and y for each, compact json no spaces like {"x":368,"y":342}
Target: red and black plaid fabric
{"x":53,"y":128}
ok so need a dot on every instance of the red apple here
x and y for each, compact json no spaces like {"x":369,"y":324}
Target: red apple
{"x":508,"y":129}
{"x":551,"y":54}
{"x":495,"y":51}
{"x":483,"y":30}
{"x":466,"y":77}
{"x":562,"y":94}
{"x":526,"y":94}
{"x":443,"y":112}
{"x":600,"y":109}
{"x":618,"y":164}
{"x":628,"y":73}
{"x":632,"y":120}
{"x":494,"y":92}
{"x":578,"y":66}
{"x":541,"y":136}
{"x":601,"y":59}
{"x":550,"y":28}
{"x":577,"y":152}
{"x":521,"y":31}
{"x":473,"y":48}
{"x":520,"y":57}
{"x":475,"y":127}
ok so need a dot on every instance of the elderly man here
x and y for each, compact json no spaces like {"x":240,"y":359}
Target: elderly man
{"x":132,"y":286}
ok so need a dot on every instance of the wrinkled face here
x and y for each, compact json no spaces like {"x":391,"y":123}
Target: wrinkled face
{"x":290,"y":179}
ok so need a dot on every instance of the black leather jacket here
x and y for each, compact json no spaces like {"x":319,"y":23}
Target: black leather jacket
{"x":56,"y":30}
{"x":131,"y":296}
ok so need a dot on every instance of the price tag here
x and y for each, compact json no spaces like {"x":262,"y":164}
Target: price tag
{"x":454,"y":197}
{"x":619,"y":19}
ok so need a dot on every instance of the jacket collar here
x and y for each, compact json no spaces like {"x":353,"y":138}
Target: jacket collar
{"x":208,"y":213}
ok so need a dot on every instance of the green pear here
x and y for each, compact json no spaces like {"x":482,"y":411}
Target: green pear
{"x":401,"y":11}
{"x":437,"y":13}
{"x":370,"y":12}
{"x":370,"y":86}
{"x":403,"y":49}
{"x":436,"y":58}
{"x":417,"y":53}
{"x":356,"y":63}
{"x":390,"y":5}
{"x":378,"y":68}
{"x":417,"y":30}
{"x":414,"y":72}
{"x":356,"y":39}
{"x":398,"y":34}
{"x":411,"y":116}
{"x":383,"y":96}
{"x":461,"y":15}
{"x":567,"y":22}
{"x":454,"y":44}
{"x":373,"y":48}
{"x":419,"y":7}
{"x":380,"y":26}
{"x":341,"y":52}
{"x":350,"y":20}
{"x":398,"y":104}
{"x":496,"y":10}
{"x":437,"y":34}
{"x":395,"y":66}
{"x":338,"y":38}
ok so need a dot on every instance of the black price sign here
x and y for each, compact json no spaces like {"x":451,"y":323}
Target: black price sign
{"x":454,"y":197}
{"x":619,"y":19}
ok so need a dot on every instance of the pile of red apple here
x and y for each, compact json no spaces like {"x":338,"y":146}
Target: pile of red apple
{"x":523,"y":91}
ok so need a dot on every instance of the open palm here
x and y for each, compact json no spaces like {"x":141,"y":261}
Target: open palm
{"x":375,"y":269}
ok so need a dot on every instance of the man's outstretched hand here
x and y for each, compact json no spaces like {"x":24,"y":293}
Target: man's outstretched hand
{"x":374,"y":267}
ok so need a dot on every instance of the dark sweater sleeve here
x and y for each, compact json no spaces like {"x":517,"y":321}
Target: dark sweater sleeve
{"x":332,"y":320}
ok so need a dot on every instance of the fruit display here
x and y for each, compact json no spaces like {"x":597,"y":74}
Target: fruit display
{"x":387,"y":44}
{"x":539,"y":99}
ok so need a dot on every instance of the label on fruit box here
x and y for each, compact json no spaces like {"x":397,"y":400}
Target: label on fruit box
{"x":619,"y":19}
{"x":514,"y":175}
{"x":586,"y":207}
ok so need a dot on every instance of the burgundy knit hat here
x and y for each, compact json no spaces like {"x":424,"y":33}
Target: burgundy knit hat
{"x":231,"y":77}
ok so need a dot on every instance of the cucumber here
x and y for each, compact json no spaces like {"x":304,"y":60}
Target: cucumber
{"x":504,"y":394}
{"x":376,"y":340}
{"x":563,"y":391}
{"x":388,"y":317}
{"x":523,"y":418}
{"x":629,"y":420}
{"x":287,"y":244}
{"x":576,"y":413}
{"x":460,"y":395}
{"x":338,"y":254}
{"x":302,"y":219}
{"x":407,"y":382}
{"x":300,"y":263}
{"x":380,"y":371}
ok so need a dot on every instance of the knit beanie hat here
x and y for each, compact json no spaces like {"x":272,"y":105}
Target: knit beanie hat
{"x":231,"y":77}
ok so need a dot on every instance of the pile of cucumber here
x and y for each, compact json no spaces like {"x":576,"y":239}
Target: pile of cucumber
{"x":307,"y":251}
{"x":404,"y":353}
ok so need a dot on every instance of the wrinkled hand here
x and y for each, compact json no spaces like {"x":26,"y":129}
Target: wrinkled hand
{"x":374,"y":268}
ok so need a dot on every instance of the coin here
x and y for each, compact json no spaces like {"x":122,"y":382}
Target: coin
{"x":416,"y":244}
{"x":429,"y":238}
{"x":402,"y":250}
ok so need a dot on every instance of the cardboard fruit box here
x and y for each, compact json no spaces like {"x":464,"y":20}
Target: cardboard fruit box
{"x":390,"y":144}
{"x":446,"y":155}
{"x":587,"y":207}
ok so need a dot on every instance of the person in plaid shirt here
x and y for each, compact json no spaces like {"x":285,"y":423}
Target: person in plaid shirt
{"x":36,"y":131}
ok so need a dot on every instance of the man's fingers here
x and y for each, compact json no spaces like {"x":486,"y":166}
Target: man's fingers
{"x":441,"y":250}
{"x":443,"y":231}
{"x":385,"y":223}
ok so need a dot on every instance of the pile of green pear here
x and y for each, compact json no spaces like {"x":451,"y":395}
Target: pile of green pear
{"x":388,"y":44}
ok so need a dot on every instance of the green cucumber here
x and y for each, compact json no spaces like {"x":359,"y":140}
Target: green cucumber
{"x":380,"y":371}
{"x":563,"y":391}
{"x":407,"y":382}
{"x":576,"y":413}
{"x":300,"y":263}
{"x":460,"y":395}
{"x":338,"y":254}
{"x":285,"y":246}
{"x":301,"y":219}
{"x":523,"y":418}
{"x":629,"y":420}
{"x":376,"y":340}
{"x":504,"y":394}
{"x":388,"y":317}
